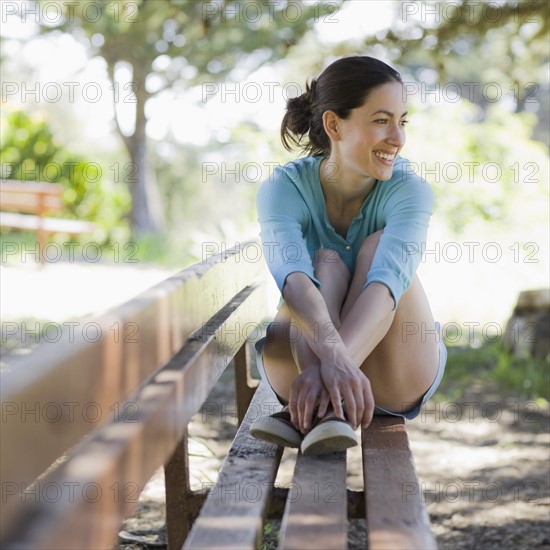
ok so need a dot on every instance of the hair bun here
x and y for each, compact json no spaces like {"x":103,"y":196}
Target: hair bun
{"x":300,"y":110}
{"x":305,"y":102}
{"x":311,"y":92}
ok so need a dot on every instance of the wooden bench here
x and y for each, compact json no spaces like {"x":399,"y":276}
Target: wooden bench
{"x":25,"y":204}
{"x":86,"y":421}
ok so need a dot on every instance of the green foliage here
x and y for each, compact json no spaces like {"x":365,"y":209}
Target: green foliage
{"x":272,"y":536}
{"x":522,"y":377}
{"x":30,"y":152}
{"x":503,"y":41}
{"x":12,"y":341}
{"x":483,"y":171}
{"x":165,"y":249}
{"x":197,"y":41}
{"x":470,"y":45}
{"x":525,"y":376}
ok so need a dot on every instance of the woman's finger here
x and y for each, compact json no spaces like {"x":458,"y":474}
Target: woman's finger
{"x":301,"y":405}
{"x":309,"y":406}
{"x":292,"y":407}
{"x":369,"y":405}
{"x":359,"y":407}
{"x":351,"y":406}
{"x":336,"y":400}
{"x":323,"y":403}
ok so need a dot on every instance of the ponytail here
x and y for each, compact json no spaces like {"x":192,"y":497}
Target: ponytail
{"x":299,"y":121}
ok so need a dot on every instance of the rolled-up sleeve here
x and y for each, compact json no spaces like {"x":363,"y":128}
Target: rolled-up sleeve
{"x":283,"y":215}
{"x":408,"y":211}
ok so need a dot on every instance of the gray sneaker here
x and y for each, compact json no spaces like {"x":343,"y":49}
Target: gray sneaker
{"x":277,"y":428}
{"x":329,"y":434}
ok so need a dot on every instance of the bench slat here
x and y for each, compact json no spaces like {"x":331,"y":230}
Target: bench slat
{"x":49,"y":225}
{"x":117,"y":459}
{"x":232,"y":517}
{"x":29,"y":196}
{"x":136,"y":338}
{"x":315,"y":515}
{"x":30,"y":186}
{"x":396,"y":516}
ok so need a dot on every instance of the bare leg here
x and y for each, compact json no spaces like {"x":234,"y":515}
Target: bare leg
{"x":286,"y":353}
{"x":399,"y":364}
{"x":403,"y":364}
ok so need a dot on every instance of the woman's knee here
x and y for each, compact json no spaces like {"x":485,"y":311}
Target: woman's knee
{"x":368,"y":249}
{"x":334,"y":277}
{"x":327,"y":259}
{"x":329,"y":267}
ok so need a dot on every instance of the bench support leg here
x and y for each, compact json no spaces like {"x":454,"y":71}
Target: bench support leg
{"x":245,"y":385}
{"x":182,"y":504}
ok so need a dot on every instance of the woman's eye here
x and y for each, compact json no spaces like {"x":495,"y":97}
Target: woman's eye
{"x":382,"y":121}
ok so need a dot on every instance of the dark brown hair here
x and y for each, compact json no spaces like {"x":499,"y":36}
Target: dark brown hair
{"x":342,"y":86}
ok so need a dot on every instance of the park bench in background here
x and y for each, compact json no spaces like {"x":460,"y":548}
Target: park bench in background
{"x":25,"y":204}
{"x":130,"y":389}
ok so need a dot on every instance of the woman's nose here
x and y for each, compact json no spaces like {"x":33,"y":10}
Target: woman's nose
{"x":397,"y":135}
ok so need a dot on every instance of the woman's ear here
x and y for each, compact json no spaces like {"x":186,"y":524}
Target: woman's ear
{"x":331,"y":124}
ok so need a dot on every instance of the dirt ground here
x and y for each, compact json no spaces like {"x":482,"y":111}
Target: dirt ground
{"x":482,"y":463}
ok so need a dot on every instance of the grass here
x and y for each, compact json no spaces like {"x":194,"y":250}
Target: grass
{"x":25,"y":333}
{"x":21,"y":247}
{"x":271,"y":536}
{"x":525,"y":377}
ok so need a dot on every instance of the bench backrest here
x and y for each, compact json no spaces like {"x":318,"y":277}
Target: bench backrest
{"x":130,"y":380}
{"x":31,"y":197}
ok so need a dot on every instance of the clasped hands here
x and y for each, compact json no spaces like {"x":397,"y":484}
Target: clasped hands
{"x":335,"y":380}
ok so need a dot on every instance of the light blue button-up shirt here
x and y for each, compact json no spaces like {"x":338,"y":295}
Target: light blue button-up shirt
{"x":294,"y":224}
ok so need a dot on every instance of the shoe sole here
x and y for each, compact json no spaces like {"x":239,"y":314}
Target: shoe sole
{"x":269,"y":429}
{"x":329,"y":437}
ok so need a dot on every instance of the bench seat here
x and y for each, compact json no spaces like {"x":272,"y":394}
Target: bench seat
{"x":234,"y":512}
{"x":318,"y":503}
{"x":31,"y":222}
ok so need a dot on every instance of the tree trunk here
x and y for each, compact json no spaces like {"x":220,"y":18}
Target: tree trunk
{"x":146,"y":215}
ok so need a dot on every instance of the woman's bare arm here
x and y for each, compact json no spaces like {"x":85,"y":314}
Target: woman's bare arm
{"x":339,"y":371}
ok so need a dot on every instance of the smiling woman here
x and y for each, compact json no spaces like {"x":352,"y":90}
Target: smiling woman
{"x":342,"y":230}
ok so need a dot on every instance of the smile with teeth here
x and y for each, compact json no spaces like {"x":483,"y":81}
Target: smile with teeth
{"x":385,"y":156}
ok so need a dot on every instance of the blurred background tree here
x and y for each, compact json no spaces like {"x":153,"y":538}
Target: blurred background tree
{"x":173,"y":43}
{"x":476,"y":78}
{"x":476,"y":81}
{"x":483,"y":44}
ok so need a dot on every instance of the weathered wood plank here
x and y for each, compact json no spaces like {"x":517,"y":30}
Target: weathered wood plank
{"x":119,"y":458}
{"x":62,"y":390}
{"x":316,"y":511}
{"x":396,"y":516}
{"x":245,"y":386}
{"x":233,"y":515}
{"x":356,"y":503}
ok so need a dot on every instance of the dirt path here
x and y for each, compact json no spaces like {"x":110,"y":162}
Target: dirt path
{"x":482,"y":462}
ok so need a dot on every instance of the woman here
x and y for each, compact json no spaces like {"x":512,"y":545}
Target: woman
{"x":342,"y":230}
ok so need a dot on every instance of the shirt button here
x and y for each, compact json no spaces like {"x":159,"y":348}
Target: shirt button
{"x":348,"y":247}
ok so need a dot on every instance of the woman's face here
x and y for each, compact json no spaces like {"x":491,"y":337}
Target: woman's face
{"x":374,"y":134}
